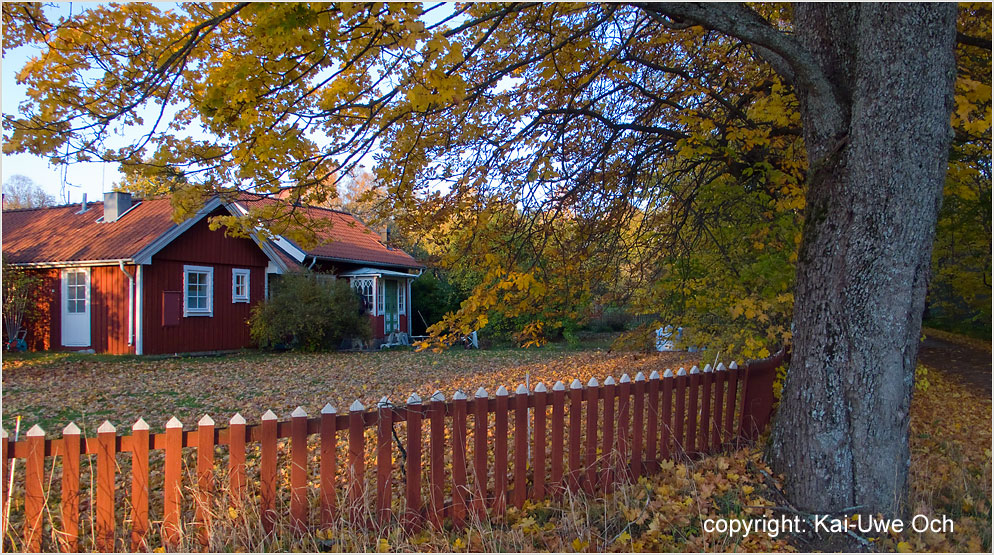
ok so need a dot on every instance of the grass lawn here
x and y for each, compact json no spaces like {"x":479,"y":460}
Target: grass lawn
{"x":52,"y":389}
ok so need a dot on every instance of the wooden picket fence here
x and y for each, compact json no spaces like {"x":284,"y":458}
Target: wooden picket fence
{"x":554,"y":436}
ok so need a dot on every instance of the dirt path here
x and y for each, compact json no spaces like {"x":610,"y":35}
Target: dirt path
{"x":969,"y":365}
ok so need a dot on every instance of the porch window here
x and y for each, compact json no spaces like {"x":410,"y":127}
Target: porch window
{"x":401,"y":293}
{"x":198,"y":291}
{"x":240,"y":285}
{"x":364,"y":286}
{"x":379,"y":298}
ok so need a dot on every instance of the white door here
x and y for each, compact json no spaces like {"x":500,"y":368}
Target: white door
{"x":76,"y":308}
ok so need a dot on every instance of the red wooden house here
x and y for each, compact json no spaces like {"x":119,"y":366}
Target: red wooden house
{"x":121,"y":277}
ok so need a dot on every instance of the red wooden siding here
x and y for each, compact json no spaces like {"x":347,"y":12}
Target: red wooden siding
{"x":108,"y":311}
{"x":227,"y":328}
{"x":45,"y":329}
{"x":377,"y":323}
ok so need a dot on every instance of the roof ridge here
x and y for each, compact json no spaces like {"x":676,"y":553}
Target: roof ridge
{"x":88,"y":203}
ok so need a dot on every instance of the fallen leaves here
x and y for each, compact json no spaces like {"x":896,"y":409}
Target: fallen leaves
{"x":55,"y":390}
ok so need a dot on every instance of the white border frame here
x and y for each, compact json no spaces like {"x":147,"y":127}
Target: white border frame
{"x":248,"y":289}
{"x":209,"y":270}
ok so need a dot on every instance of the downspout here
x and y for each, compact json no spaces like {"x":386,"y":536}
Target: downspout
{"x":314,"y":261}
{"x":139,"y":312}
{"x":131,"y":303}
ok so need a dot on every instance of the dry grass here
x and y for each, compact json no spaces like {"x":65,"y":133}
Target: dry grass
{"x":950,"y":475}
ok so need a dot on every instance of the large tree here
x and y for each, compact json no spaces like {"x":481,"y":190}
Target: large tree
{"x":652,"y":128}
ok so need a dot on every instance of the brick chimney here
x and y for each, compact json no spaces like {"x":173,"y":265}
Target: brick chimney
{"x":115,"y":204}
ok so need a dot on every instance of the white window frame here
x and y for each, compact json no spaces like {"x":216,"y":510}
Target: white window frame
{"x":401,"y":296}
{"x":235,"y":297}
{"x":360,"y":285}
{"x":209,"y":311}
{"x":381,"y":295}
{"x":85,"y":286}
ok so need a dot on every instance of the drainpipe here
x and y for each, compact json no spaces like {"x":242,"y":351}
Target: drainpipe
{"x":139,"y":311}
{"x":314,"y":261}
{"x":131,"y":303}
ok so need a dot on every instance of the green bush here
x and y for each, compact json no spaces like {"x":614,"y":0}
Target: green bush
{"x":308,"y":313}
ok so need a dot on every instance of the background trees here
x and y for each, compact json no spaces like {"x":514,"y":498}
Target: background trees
{"x":19,"y":191}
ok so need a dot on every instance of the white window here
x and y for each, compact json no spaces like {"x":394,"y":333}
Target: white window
{"x":401,"y":293}
{"x":240,"y":285}
{"x":198,"y":291}
{"x":364,"y":286}
{"x":379,"y":298}
{"x":75,"y":291}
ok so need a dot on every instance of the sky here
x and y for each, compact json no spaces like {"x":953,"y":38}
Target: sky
{"x":63,"y":182}
{"x":67,"y":183}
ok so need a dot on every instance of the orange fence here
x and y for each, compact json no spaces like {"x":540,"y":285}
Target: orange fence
{"x":581,"y":438}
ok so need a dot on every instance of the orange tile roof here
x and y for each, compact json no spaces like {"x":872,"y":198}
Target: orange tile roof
{"x":348,"y":239}
{"x":61,"y":234}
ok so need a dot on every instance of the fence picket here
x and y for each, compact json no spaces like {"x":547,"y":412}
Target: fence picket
{"x":267,"y":470}
{"x":413,"y":468}
{"x":652,"y":432}
{"x":575,"y":405}
{"x":623,"y":431}
{"x":357,"y":465}
{"x":34,"y":493}
{"x":139,"y":484}
{"x":480,"y":426}
{"x":731,"y":393}
{"x":384,"y":460}
{"x":236,"y":458}
{"x":500,"y":451}
{"x":638,"y":425}
{"x":106,"y":474}
{"x":695,"y":385}
{"x":4,"y":481}
{"x":436,"y":478}
{"x":667,"y":414}
{"x":609,"y":443}
{"x":680,"y":390}
{"x":705,"y":434}
{"x":459,"y":459}
{"x":720,"y":376}
{"x":329,"y":459}
{"x":590,"y":459}
{"x":69,"y":538}
{"x":520,"y":445}
{"x":538,"y":444}
{"x":298,"y":469}
{"x":172,"y":474}
{"x":205,"y":476}
{"x":558,"y":426}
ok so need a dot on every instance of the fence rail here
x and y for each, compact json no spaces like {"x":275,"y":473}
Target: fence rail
{"x":554,"y":436}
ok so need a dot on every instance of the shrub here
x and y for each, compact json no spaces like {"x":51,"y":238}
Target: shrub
{"x":308,"y":312}
{"x":20,"y":291}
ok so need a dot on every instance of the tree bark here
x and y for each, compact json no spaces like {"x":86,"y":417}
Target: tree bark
{"x":876,"y":169}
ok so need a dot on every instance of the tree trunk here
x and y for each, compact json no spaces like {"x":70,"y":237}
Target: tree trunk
{"x":877,"y":166}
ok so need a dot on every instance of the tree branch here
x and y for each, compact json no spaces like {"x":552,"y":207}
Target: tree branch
{"x":740,"y":21}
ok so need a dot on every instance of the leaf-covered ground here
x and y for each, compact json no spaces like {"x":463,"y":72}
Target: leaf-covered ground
{"x":950,"y":441}
{"x":53,"y":390}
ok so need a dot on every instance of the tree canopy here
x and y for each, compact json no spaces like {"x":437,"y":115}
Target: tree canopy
{"x":680,"y":158}
{"x":577,"y":140}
